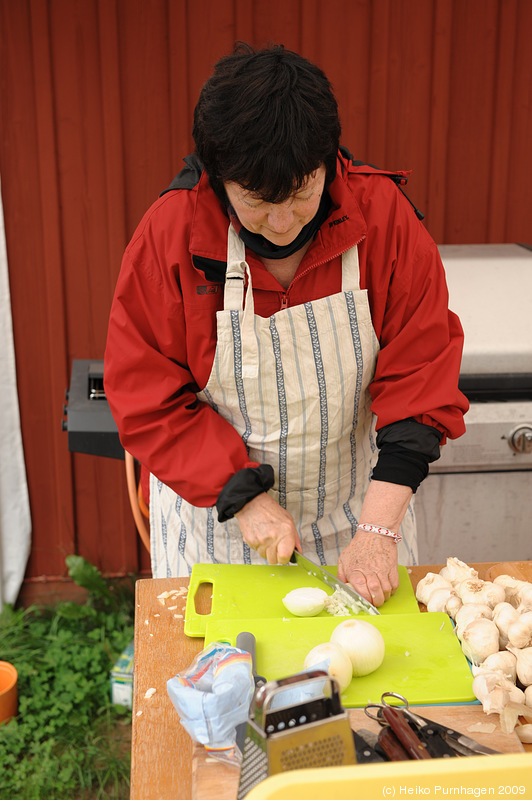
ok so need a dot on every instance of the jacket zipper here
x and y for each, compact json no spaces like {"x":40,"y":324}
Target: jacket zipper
{"x":284,"y":299}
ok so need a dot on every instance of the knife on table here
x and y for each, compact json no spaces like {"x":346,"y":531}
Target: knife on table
{"x":367,"y":747}
{"x":352,"y":597}
{"x":441,"y":736}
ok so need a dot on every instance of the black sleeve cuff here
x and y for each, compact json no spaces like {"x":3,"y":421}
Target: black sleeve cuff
{"x":241,"y":488}
{"x":412,"y":435}
{"x":406,"y":448}
{"x":397,"y":464}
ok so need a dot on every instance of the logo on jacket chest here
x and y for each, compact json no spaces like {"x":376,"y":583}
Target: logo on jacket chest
{"x":338,"y":221}
{"x":208,"y":289}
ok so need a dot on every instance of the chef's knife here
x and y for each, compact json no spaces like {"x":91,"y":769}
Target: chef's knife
{"x":352,"y":597}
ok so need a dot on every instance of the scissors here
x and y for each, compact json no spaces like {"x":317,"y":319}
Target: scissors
{"x":438,"y":741}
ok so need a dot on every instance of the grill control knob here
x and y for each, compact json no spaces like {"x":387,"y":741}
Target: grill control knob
{"x":520,"y":439}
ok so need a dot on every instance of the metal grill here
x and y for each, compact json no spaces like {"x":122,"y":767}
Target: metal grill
{"x":477,"y":500}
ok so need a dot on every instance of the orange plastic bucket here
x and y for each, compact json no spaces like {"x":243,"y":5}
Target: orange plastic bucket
{"x":8,"y":691}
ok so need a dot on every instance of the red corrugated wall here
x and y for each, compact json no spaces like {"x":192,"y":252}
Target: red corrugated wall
{"x":96,"y":101}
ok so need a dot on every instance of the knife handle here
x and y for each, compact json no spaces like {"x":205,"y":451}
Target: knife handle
{"x":399,"y":725}
{"x":246,"y":641}
{"x":391,"y":746}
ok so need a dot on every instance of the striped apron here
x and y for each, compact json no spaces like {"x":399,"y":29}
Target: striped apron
{"x":295,"y":387}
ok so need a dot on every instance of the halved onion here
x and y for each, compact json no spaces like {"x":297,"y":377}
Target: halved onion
{"x":305,"y":602}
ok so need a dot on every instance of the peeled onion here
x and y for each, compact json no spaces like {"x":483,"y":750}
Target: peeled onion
{"x":339,"y":662}
{"x":305,"y":602}
{"x":362,"y":642}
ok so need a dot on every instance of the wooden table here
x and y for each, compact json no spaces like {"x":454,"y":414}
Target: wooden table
{"x":166,"y":763}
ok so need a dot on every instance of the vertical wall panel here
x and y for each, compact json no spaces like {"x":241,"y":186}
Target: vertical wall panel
{"x":96,"y":103}
{"x":517,"y":200}
{"x":504,"y":100}
{"x":43,"y":362}
{"x":471,"y":118}
{"x":144,"y":43}
{"x":378,"y":108}
{"x":438,"y":120}
{"x":179,"y":97}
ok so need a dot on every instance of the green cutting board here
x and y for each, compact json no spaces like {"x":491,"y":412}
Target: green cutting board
{"x":423,"y":659}
{"x":245,"y":591}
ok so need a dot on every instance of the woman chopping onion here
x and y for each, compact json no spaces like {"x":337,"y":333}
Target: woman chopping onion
{"x":281,"y":357}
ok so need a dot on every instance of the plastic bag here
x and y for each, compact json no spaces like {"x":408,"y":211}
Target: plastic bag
{"x":212,"y":696}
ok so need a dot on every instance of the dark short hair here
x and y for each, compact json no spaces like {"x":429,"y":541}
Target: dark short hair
{"x":266,"y":119}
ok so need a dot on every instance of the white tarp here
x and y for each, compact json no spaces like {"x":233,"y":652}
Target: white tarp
{"x":15,"y":520}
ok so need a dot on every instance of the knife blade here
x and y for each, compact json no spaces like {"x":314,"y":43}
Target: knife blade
{"x":462,"y":744}
{"x":352,"y":597}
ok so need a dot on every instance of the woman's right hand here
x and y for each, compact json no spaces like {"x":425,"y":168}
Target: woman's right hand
{"x":269,"y":529}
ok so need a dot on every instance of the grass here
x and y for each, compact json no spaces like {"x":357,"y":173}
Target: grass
{"x":68,"y":741}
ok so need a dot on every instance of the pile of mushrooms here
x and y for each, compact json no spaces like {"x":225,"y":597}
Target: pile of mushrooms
{"x":493,"y":621}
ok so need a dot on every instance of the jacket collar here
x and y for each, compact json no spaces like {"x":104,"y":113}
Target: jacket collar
{"x":344,"y":227}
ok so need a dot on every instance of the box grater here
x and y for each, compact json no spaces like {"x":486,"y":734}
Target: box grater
{"x":295,"y":723}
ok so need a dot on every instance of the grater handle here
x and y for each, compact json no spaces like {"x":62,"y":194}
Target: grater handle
{"x":264,"y":693}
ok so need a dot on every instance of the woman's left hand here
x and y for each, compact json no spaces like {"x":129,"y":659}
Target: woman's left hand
{"x":369,"y":564}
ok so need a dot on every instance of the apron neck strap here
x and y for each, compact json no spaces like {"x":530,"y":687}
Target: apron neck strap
{"x":237,"y":269}
{"x":350,"y":270}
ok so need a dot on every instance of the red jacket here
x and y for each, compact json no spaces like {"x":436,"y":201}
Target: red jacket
{"x":162,"y":328}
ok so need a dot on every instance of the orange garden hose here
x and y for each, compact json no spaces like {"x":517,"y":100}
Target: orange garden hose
{"x":136,"y":500}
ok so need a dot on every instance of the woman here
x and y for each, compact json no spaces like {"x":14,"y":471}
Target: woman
{"x":280,"y":355}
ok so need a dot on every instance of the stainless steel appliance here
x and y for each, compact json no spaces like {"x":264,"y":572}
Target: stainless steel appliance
{"x":477,"y":500}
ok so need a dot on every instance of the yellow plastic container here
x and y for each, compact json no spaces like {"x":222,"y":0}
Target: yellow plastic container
{"x":8,"y":691}
{"x":502,"y":776}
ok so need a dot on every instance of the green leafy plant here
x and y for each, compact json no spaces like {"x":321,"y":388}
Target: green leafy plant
{"x":68,"y":740}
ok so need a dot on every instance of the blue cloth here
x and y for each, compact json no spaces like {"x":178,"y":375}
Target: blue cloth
{"x":213,"y":695}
